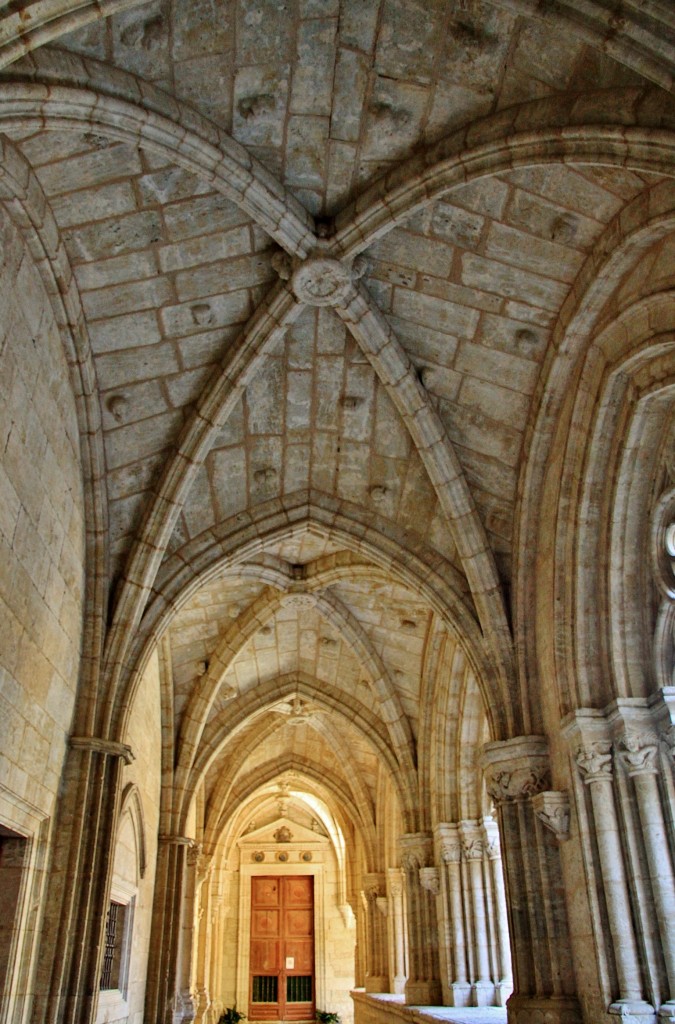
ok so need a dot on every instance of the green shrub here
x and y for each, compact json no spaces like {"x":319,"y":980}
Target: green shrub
{"x":327,"y":1018}
{"x":231,"y":1016}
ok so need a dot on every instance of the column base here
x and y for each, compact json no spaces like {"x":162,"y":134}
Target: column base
{"x":399,"y":984}
{"x":634,"y":1010}
{"x":666,"y":1014}
{"x":460,"y":993}
{"x":553,"y":1010}
{"x":503,"y":990}
{"x":423,"y":993}
{"x":482,"y":993}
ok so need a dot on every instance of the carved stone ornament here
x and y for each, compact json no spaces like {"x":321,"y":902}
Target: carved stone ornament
{"x":516,"y":769}
{"x":416,"y":850}
{"x":322,"y":281}
{"x":383,"y":905}
{"x":474,"y":849}
{"x":493,"y":848}
{"x":395,"y":882}
{"x":430,"y":880}
{"x":553,"y":809}
{"x":519,"y":784}
{"x":638,"y":754}
{"x":451,"y":851}
{"x":595,"y":762}
{"x":258,"y":856}
{"x":298,"y":600}
{"x":283,"y":835}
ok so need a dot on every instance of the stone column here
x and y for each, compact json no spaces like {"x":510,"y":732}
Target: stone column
{"x":639,"y":753}
{"x":68,"y":977}
{"x":377,"y":975}
{"x":423,"y":987}
{"x":165,"y":996}
{"x":482,"y":988}
{"x":504,"y":985}
{"x":205,"y":938}
{"x":397,"y":923}
{"x":590,"y":740}
{"x":451,"y":854}
{"x":544,"y":983}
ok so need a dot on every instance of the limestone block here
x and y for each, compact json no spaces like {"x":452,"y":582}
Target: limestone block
{"x":306,"y":150}
{"x":111,"y":237}
{"x":260,"y":104}
{"x":313,"y":75}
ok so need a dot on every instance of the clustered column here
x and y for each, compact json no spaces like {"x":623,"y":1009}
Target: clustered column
{"x":167,"y":995}
{"x":423,"y":986}
{"x":517,"y":770}
{"x":473,"y":913}
{"x":622,"y":760}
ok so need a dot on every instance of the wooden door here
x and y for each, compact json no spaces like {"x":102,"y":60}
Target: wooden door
{"x":281,"y":986}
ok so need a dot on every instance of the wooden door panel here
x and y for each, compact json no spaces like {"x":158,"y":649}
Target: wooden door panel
{"x":265,"y":956}
{"x":265,"y":892}
{"x":299,"y":923}
{"x":282,"y":932}
{"x":303,"y":955}
{"x":265,"y":923}
{"x":299,"y":892}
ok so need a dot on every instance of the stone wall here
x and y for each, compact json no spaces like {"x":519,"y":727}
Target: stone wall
{"x":136,"y":847}
{"x":41,"y":574}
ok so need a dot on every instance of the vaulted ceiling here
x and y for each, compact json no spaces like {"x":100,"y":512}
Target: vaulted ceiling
{"x":319,"y":249}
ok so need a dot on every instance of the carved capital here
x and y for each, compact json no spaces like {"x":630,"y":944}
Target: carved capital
{"x":395,"y":882}
{"x":194,"y":855}
{"x":553,"y":809}
{"x":638,"y":754}
{"x":474,"y":848}
{"x":516,"y":769}
{"x":595,"y":762}
{"x":430,"y":880}
{"x":416,"y":849}
{"x":451,"y":850}
{"x":373,"y":887}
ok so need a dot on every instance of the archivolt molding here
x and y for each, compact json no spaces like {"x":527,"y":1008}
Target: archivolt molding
{"x":265,"y":696}
{"x":224,"y":804}
{"x":617,"y":127}
{"x":624,"y":393}
{"x":640,"y":34}
{"x":379,"y":343}
{"x":434,"y":654}
{"x":65,"y":92}
{"x":196,"y":713}
{"x":243,"y":358}
{"x":27,"y":206}
{"x":35,"y":22}
{"x":400,"y":557}
{"x":641,"y":224}
{"x":384,"y":690}
{"x":447,"y":693}
{"x":132,"y":804}
{"x":640,"y":37}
